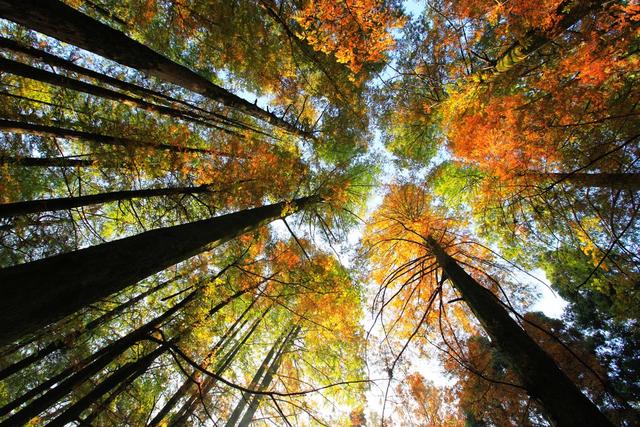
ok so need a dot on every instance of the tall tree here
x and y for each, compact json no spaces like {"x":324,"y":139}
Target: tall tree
{"x":79,"y":278}
{"x":87,"y":33}
{"x":405,"y":222}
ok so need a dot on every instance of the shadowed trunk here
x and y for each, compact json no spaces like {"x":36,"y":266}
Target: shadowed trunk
{"x":79,"y":278}
{"x":47,"y":162}
{"x":27,"y":71}
{"x":56,"y":61}
{"x":187,"y":408}
{"x":128,"y":372}
{"x":58,"y":20}
{"x":537,"y":371}
{"x":70,"y":338}
{"x":61,"y":203}
{"x":58,"y":132}
{"x":268,"y":378}
{"x":268,"y":360}
{"x":78,"y":374}
{"x":614,"y":181}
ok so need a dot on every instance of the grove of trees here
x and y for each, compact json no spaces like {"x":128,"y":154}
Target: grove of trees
{"x":319,"y":212}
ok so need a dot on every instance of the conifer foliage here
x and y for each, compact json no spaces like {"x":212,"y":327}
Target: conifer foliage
{"x":314,"y":212}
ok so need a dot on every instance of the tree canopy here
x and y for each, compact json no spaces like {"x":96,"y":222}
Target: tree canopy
{"x":319,"y":212}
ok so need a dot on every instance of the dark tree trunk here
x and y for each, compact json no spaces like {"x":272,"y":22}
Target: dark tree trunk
{"x":27,"y":71}
{"x":537,"y":371}
{"x":208,"y":359}
{"x":181,"y":416}
{"x":58,"y":20}
{"x":58,"y":132}
{"x":56,"y":61}
{"x":88,"y":367}
{"x":128,"y":372}
{"x":47,"y":162}
{"x":614,"y":181}
{"x":267,"y":379}
{"x":79,"y":278}
{"x":88,"y":420}
{"x":61,"y":203}
{"x":70,"y":338}
{"x":268,"y":360}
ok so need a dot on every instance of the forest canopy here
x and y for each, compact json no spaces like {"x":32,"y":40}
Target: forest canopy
{"x":319,"y":212}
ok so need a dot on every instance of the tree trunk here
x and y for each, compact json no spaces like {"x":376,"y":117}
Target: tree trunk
{"x":271,"y":356}
{"x":27,"y":71}
{"x":58,"y":20}
{"x":188,"y":383}
{"x":568,"y":12}
{"x":79,"y":278}
{"x":69,"y":338}
{"x":268,"y":377}
{"x":88,"y":420}
{"x":56,"y":61}
{"x":47,"y":162}
{"x":537,"y":371}
{"x":614,"y":181}
{"x":58,"y":132}
{"x":88,"y":367}
{"x":129,"y":371}
{"x":62,"y":203}
{"x":180,"y":417}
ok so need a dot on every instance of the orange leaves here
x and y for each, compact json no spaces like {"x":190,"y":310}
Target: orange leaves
{"x":497,"y":133}
{"x":354,"y":31}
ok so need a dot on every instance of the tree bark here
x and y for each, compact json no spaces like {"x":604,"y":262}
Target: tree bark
{"x":130,"y":370}
{"x":268,"y":360}
{"x":181,"y":416}
{"x":56,"y":61}
{"x":614,"y":181}
{"x":569,"y":12}
{"x":538,"y":372}
{"x":58,"y":132}
{"x":79,"y":278}
{"x":47,"y":162}
{"x":266,"y":380}
{"x":58,"y":20}
{"x":27,"y":71}
{"x":88,"y":367}
{"x":188,"y":383}
{"x":62,"y":203}
{"x":69,"y":338}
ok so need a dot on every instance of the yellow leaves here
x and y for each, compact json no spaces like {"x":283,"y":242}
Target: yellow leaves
{"x":583,"y":231}
{"x":287,"y":209}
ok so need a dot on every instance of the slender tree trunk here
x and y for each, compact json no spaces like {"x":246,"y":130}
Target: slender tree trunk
{"x":58,"y":132}
{"x":79,"y":278}
{"x":568,"y":12}
{"x":70,"y":338}
{"x":129,"y":371}
{"x":614,"y":181}
{"x":537,"y":371}
{"x":27,"y":71}
{"x":88,"y":420}
{"x":268,"y":377}
{"x":88,"y":367}
{"x":47,"y":162}
{"x":181,"y":416}
{"x":62,"y":203}
{"x":58,"y":20}
{"x":215,"y":351}
{"x":56,"y":61}
{"x":271,"y":356}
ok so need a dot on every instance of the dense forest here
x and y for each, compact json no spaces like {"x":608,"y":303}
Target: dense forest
{"x":319,"y":212}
